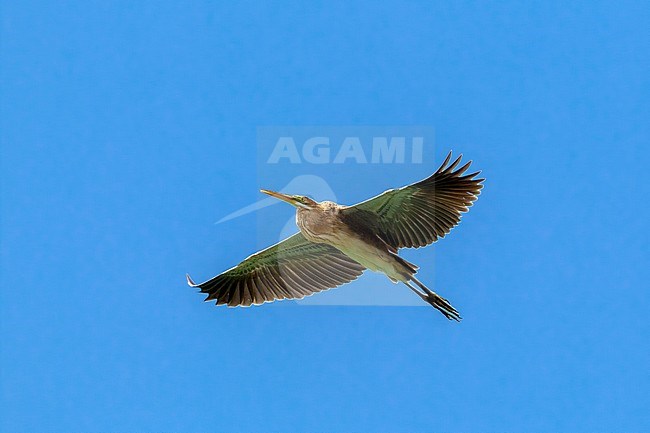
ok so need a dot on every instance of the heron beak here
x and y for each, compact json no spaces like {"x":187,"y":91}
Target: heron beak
{"x":280,"y":196}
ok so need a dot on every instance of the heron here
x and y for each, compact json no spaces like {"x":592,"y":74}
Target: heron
{"x":337,"y":243}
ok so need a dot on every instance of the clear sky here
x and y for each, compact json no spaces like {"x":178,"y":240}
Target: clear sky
{"x":129,"y":128}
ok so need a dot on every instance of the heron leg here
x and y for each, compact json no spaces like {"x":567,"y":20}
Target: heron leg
{"x":422,"y":286}
{"x":416,"y":291}
{"x":435,"y":300}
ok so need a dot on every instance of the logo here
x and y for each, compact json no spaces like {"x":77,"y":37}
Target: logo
{"x":324,"y":150}
{"x":342,"y":164}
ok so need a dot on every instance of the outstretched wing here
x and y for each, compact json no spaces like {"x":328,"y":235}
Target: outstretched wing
{"x":291,"y":269}
{"x":418,"y":214}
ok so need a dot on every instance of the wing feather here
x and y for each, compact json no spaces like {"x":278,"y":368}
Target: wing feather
{"x":291,"y":269}
{"x":419,"y":214}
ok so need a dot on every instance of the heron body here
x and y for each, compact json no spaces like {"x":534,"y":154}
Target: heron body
{"x":325,"y":223}
{"x":337,"y":243}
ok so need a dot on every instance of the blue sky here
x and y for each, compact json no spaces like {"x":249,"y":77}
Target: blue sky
{"x":129,"y":128}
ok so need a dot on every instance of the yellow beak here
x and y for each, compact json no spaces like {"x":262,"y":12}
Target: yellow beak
{"x":280,"y":196}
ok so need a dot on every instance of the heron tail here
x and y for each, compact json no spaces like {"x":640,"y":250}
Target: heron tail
{"x":409,"y":267}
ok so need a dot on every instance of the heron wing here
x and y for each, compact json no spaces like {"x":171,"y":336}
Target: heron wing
{"x":418,"y":214}
{"x":291,"y":269}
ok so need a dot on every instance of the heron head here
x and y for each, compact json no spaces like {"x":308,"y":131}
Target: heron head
{"x":300,"y":201}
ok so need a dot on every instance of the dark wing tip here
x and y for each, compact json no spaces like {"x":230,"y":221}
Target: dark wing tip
{"x":445,"y":162}
{"x":445,"y":167}
{"x":190,"y":282}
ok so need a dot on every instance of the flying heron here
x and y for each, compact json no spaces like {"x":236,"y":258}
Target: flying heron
{"x":337,"y":243}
